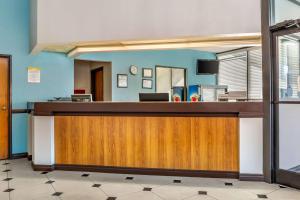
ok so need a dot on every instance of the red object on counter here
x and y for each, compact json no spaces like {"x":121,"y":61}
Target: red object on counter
{"x":194,"y":99}
{"x":79,"y":91}
{"x":177,"y":99}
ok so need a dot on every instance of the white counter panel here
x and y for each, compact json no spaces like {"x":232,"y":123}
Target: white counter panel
{"x":251,"y":146}
{"x":43,"y":140}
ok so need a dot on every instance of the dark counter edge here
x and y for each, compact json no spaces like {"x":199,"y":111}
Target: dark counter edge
{"x":139,"y":171}
{"x":147,"y":171}
{"x":241,"y":109}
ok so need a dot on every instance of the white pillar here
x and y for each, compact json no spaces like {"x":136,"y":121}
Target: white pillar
{"x":43,"y":140}
{"x":251,"y":146}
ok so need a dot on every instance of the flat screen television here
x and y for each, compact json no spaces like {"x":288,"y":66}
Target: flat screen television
{"x":207,"y":67}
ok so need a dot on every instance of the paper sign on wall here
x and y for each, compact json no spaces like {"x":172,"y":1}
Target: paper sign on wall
{"x":34,"y":75}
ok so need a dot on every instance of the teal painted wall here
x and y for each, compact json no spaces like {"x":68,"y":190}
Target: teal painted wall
{"x":57,"y":72}
{"x":19,"y":130}
{"x":56,"y":69}
{"x":175,"y":58}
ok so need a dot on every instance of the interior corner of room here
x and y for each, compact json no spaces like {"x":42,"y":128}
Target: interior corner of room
{"x":200,"y":99}
{"x":186,"y":67}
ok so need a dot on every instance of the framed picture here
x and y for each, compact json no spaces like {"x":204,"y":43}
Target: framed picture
{"x":147,"y":73}
{"x":122,"y":80}
{"x":147,"y":83}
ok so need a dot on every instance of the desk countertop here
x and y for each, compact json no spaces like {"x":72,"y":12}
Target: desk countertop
{"x":241,"y":109}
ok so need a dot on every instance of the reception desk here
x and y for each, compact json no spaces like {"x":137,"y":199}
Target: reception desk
{"x":189,"y":139}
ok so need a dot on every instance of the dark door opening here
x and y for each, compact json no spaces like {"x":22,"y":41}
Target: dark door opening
{"x":97,"y":84}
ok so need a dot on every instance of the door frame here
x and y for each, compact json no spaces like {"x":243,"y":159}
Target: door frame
{"x":93,"y":81}
{"x":9,"y":57}
{"x":281,"y":176}
{"x":269,"y":135}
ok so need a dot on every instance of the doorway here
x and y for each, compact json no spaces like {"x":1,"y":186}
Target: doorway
{"x":93,"y":77}
{"x":286,"y":106}
{"x":97,"y":84}
{"x":5,"y":106}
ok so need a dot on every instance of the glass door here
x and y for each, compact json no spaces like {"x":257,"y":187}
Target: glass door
{"x":286,"y":101}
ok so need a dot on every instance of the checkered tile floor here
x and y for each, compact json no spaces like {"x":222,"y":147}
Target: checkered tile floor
{"x":19,"y":182}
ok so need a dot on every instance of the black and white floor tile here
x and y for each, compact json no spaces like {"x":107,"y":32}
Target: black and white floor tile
{"x":20,"y":182}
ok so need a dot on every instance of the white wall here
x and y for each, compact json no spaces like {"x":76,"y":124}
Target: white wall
{"x":69,"y":21}
{"x":251,"y":146}
{"x":82,"y":76}
{"x":289,"y":136}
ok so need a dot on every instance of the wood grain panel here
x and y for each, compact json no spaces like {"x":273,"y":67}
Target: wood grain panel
{"x":215,"y":141}
{"x":190,"y":143}
{"x":4,"y":107}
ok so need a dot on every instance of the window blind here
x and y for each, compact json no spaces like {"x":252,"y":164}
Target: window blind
{"x":282,"y":69}
{"x":289,"y":69}
{"x":233,"y":71}
{"x":242,"y":71}
{"x":255,"y":74}
{"x":293,"y":70}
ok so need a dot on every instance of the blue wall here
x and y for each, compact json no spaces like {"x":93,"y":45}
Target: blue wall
{"x":56,"y":69}
{"x":175,"y":58}
{"x":57,"y":72}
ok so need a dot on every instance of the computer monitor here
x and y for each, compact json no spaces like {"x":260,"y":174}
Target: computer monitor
{"x":154,"y":97}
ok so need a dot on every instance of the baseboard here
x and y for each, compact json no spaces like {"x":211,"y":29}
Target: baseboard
{"x":19,"y":155}
{"x":142,"y":171}
{"x":42,"y":167}
{"x":251,"y":177}
{"x":19,"y":111}
{"x":29,"y":157}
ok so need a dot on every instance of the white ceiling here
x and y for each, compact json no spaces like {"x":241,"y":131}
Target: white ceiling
{"x":77,"y":23}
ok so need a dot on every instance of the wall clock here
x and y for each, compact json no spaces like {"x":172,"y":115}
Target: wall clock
{"x":133,"y":69}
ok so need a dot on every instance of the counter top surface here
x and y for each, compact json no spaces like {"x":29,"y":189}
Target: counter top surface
{"x":241,"y":109}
